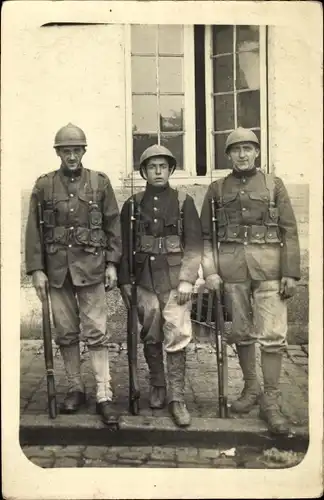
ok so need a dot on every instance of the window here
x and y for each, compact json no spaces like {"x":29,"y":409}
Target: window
{"x":157,"y":89}
{"x":189,"y":87}
{"x":235,"y":95}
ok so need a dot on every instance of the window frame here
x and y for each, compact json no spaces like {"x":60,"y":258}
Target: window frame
{"x":211,"y":172}
{"x":189,"y":142}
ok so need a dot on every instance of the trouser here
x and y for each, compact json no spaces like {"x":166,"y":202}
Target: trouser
{"x":163,"y":320}
{"x":80,"y":307}
{"x":258,"y":314}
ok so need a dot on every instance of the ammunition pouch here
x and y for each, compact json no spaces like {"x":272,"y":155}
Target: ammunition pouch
{"x":82,"y":236}
{"x":235,"y":233}
{"x":159,"y":245}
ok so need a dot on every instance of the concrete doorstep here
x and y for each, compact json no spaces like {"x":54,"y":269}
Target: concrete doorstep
{"x":156,"y":431}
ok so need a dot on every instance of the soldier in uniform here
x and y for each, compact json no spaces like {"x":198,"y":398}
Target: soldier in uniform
{"x":168,"y":255}
{"x":82,"y":249}
{"x":259,"y":263}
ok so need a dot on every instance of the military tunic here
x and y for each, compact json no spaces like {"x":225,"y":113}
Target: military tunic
{"x":255,"y":252}
{"x":81,"y":235}
{"x":161,"y":264}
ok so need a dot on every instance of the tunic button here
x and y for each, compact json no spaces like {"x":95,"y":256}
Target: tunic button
{"x":90,"y":202}
{"x":243,"y":180}
{"x":71,"y":227}
{"x":245,"y":243}
{"x":71,"y":209}
{"x":155,"y":209}
{"x":242,"y":192}
{"x":155,"y":198}
{"x":71,"y":195}
{"x":243,"y":209}
{"x":155,"y":221}
{"x":72,"y":179}
{"x":152,"y":258}
{"x":70,"y":246}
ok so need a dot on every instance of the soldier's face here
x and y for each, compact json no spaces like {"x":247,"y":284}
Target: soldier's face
{"x":157,"y":171}
{"x":243,"y":156}
{"x":71,"y":156}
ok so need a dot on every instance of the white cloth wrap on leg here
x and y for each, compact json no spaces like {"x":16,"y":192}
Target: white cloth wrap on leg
{"x":100,"y":365}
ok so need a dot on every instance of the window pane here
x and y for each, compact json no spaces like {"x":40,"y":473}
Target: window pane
{"x":143,"y":74}
{"x":248,"y":109}
{"x":223,"y":74}
{"x":222,"y":39}
{"x":140,"y":143}
{"x":221,"y":160}
{"x":144,"y":113}
{"x":224,"y":112}
{"x":143,"y":39}
{"x":247,"y":37}
{"x":171,"y":113}
{"x":170,"y":39}
{"x":175,"y":144}
{"x":248,"y":70}
{"x":170,"y":74}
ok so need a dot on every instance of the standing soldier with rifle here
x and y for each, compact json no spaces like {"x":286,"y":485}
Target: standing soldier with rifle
{"x":258,"y":259}
{"x":167,"y":256}
{"x":82,"y":247}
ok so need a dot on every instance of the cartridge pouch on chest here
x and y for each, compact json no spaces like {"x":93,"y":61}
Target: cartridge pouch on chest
{"x":254,"y":220}
{"x":79,"y":224}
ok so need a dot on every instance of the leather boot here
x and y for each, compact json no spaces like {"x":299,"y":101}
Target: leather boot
{"x":153,"y":354}
{"x":270,"y":409}
{"x":251,"y":392}
{"x":176,"y":363}
{"x":100,"y":366}
{"x":75,"y":397}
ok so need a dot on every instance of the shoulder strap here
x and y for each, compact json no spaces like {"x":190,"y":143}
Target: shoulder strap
{"x":94,"y":183}
{"x":181,"y":198}
{"x":48,"y":186}
{"x":219,"y":190}
{"x":270,"y":185}
{"x":139,"y":197}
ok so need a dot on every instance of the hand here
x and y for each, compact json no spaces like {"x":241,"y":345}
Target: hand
{"x":125,"y":291}
{"x":213,"y":282}
{"x":40,"y":283}
{"x":184,"y":292}
{"x":287,"y":287}
{"x":110,"y":277}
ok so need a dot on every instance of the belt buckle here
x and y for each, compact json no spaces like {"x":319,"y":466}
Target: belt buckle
{"x":160,"y":244}
{"x":246,"y":228}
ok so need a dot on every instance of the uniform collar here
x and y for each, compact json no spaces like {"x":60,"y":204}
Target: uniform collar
{"x":152,"y":190}
{"x":67,"y":173}
{"x":247,"y":173}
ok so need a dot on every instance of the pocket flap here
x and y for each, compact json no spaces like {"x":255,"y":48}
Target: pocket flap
{"x":146,"y":243}
{"x":259,"y":197}
{"x":233,"y":231}
{"x":173,"y":244}
{"x":226,"y":248}
{"x":229,"y":197}
{"x":258,"y":232}
{"x":82,"y":235}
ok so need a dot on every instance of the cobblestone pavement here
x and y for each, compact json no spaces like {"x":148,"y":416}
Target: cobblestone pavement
{"x":201,"y":397}
{"x":153,"y":456}
{"x":201,"y":381}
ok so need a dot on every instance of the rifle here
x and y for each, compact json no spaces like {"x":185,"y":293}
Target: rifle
{"x":221,"y":346}
{"x":47,"y":331}
{"x":132,"y":322}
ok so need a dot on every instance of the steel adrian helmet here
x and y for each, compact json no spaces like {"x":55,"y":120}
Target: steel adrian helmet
{"x":70,"y":135}
{"x":241,"y":135}
{"x":157,"y":150}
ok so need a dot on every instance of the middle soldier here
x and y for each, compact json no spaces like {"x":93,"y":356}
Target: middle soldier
{"x":168,"y":255}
